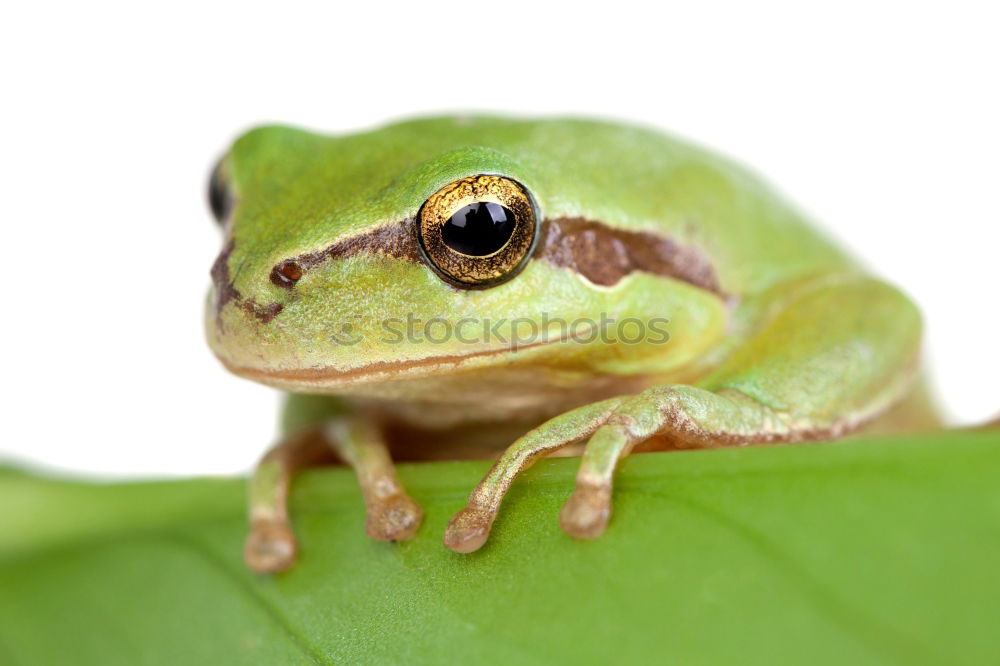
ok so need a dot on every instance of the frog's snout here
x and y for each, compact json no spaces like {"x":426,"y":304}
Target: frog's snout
{"x":226,"y":292}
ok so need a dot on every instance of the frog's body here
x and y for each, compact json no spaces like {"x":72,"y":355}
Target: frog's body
{"x":334,"y":285}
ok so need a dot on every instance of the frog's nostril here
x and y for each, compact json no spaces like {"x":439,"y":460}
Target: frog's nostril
{"x":286,"y":274}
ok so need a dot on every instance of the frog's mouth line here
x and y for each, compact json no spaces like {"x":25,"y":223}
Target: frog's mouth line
{"x":380,"y":371}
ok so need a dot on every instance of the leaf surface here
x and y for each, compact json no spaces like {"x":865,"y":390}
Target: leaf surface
{"x":882,"y":551}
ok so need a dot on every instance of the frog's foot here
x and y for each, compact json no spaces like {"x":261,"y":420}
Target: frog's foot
{"x":588,"y":509}
{"x":392,"y":514}
{"x":586,"y":513}
{"x":614,"y":427}
{"x":468,"y":529}
{"x":270,"y":546}
{"x":393,"y":518}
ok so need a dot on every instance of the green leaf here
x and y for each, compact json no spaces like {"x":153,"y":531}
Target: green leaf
{"x":884,"y":551}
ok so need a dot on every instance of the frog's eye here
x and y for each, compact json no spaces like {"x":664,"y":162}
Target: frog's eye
{"x":478,"y":231}
{"x":220,"y":198}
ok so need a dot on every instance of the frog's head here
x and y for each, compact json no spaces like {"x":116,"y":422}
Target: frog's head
{"x":438,"y":246}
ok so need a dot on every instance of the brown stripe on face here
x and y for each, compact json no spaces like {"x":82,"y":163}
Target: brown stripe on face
{"x":226,"y":292}
{"x":594,"y":250}
{"x":604,"y":255}
{"x":224,"y":289}
{"x":396,"y":240}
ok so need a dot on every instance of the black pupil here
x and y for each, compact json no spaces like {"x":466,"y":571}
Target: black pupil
{"x":479,"y":229}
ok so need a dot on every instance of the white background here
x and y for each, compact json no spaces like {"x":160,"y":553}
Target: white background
{"x":879,"y":119}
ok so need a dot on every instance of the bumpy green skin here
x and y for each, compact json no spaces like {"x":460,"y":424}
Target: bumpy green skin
{"x":797,"y":343}
{"x":299,"y":192}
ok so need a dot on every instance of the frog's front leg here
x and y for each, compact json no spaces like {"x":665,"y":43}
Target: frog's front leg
{"x":614,"y":426}
{"x":831,"y":355}
{"x":270,"y":545}
{"x":318,"y":428}
{"x":392,"y":515}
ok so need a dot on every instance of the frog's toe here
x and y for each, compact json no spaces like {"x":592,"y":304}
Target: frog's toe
{"x":394,"y":518}
{"x":468,"y":530}
{"x":270,"y":546}
{"x":586,"y":513}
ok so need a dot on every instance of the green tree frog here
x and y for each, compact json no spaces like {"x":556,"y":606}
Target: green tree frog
{"x":473,"y":286}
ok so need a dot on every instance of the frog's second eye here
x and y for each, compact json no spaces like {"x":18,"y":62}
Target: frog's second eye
{"x":478,"y":231}
{"x":220,"y":198}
